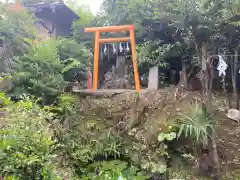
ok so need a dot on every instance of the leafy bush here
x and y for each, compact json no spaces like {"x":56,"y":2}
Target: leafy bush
{"x":41,"y":71}
{"x":115,"y":170}
{"x":27,"y":147}
{"x":79,"y":148}
{"x":82,"y":140}
{"x":75,"y":57}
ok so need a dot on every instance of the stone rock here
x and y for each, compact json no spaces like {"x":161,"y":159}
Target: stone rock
{"x":153,"y":78}
{"x":234,"y":114}
{"x":114,"y":81}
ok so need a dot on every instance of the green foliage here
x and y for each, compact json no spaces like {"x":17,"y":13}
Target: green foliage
{"x":116,"y":170}
{"x":177,"y":173}
{"x":27,"y":147}
{"x":164,"y":137}
{"x":156,"y":53}
{"x":69,"y":48}
{"x":83,"y":11}
{"x":149,"y":159}
{"x":193,"y":23}
{"x":167,"y":136}
{"x":80,"y":36}
{"x":196,"y":126}
{"x":87,"y":19}
{"x":80,"y":139}
{"x":80,"y":148}
{"x":75,"y":57}
{"x":4,"y":100}
{"x":154,"y":167}
{"x":39,"y":72}
{"x":14,"y":27}
{"x":152,"y":53}
{"x":43,"y":71}
{"x":28,"y":150}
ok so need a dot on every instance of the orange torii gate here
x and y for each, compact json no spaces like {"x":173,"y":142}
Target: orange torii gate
{"x":98,"y":41}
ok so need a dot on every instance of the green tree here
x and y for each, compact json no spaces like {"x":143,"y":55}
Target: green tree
{"x":14,"y":28}
{"x":76,"y":57}
{"x":86,"y":19}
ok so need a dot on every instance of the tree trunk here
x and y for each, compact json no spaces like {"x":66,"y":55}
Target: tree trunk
{"x":217,"y":172}
{"x":226,"y":93}
{"x":204,"y":72}
{"x":209,"y":112}
{"x":209,"y":89}
{"x":234,"y":79}
{"x":184,"y":79}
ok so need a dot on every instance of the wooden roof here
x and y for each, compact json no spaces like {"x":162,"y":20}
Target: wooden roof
{"x":56,"y":11}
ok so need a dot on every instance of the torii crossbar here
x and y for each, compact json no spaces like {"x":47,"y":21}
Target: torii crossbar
{"x":98,"y":41}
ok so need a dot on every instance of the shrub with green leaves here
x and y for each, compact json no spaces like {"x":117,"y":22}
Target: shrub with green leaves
{"x":82,"y":139}
{"x":114,"y":170}
{"x":41,"y":71}
{"x":75,"y":57}
{"x":26,"y":144}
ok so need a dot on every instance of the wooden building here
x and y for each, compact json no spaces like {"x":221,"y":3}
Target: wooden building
{"x":52,"y":19}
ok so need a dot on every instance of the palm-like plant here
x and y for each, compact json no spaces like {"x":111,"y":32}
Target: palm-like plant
{"x":197,"y":125}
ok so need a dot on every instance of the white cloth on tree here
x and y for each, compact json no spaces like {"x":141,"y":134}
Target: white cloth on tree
{"x":222,"y":66}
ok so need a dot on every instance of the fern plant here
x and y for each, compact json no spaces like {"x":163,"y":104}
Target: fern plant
{"x":41,"y":71}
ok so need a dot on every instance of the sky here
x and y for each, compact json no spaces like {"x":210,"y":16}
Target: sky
{"x":94,"y":4}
